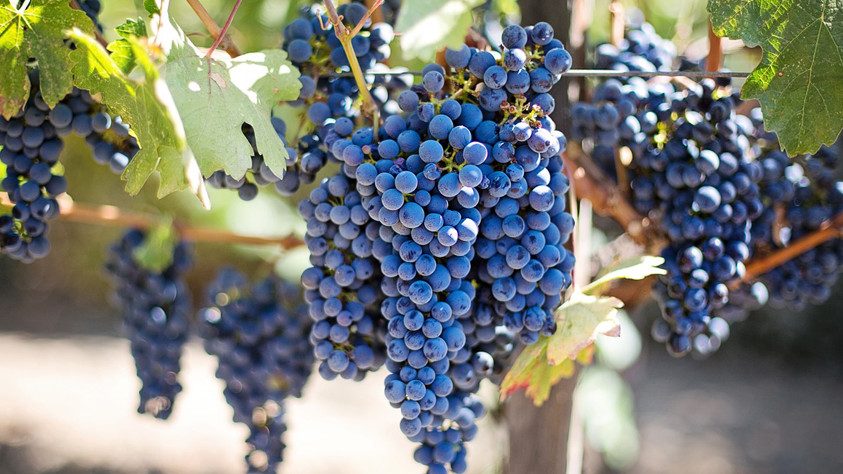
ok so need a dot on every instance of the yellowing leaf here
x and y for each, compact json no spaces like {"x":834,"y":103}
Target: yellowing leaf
{"x":426,"y":26}
{"x":579,"y":322}
{"x":635,"y":268}
{"x":37,"y":32}
{"x":532,"y":373}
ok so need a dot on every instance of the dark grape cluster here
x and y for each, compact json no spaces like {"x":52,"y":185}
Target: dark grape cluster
{"x":817,"y":198}
{"x":32,"y":143}
{"x":156,"y":307}
{"x":341,"y":286}
{"x":456,"y":198}
{"x":698,"y":172}
{"x":642,"y":49}
{"x":258,"y":333}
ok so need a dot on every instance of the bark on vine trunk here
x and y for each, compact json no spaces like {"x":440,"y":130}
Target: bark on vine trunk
{"x":538,"y":437}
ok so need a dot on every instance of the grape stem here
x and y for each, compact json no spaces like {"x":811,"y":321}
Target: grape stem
{"x":377,"y":13}
{"x":345,"y":35}
{"x":219,"y":34}
{"x":113,"y":216}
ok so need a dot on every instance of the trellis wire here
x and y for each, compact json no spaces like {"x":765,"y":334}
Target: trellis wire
{"x":587,"y":73}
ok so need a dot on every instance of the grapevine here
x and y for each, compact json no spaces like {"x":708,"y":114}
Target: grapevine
{"x":437,"y":202}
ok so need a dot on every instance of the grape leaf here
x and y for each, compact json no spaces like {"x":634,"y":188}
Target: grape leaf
{"x":156,"y":252}
{"x":532,"y":372}
{"x":799,"y":81}
{"x":427,"y":26}
{"x":121,"y":49}
{"x":146,"y":107}
{"x":37,"y":32}
{"x":635,"y":268}
{"x":543,"y":364}
{"x":215,"y":98}
{"x":579,"y":321}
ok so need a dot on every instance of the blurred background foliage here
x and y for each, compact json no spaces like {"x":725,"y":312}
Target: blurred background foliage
{"x":66,"y":293}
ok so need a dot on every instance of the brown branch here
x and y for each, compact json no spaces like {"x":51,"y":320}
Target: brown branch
{"x":595,"y":186}
{"x":100,"y":38}
{"x":833,"y":229}
{"x":617,"y":25}
{"x":715,"y":50}
{"x":115,"y":217}
{"x":214,"y":29}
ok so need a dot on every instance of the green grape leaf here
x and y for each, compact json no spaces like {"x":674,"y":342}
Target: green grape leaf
{"x":146,"y":106}
{"x":799,"y":81}
{"x":121,"y":49}
{"x":427,"y":26}
{"x":37,"y":32}
{"x":151,"y":6}
{"x":579,"y":321}
{"x":215,"y":98}
{"x":635,"y":268}
{"x":156,"y":252}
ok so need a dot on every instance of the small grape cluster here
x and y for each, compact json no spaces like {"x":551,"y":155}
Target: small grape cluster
{"x":155,"y":306}
{"x":642,"y":49}
{"x":32,"y":143}
{"x":258,"y":335}
{"x":258,"y":173}
{"x":704,"y":184}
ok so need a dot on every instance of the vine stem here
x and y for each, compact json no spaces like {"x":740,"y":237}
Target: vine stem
{"x":617,"y":21}
{"x":593,"y":185}
{"x":832,"y":229}
{"x":345,"y":35}
{"x":219,"y":34}
{"x":377,"y":12}
{"x":715,"y":50}
{"x":100,"y":38}
{"x":113,"y":216}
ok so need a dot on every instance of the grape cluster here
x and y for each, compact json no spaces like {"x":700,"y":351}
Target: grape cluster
{"x":258,"y":173}
{"x":155,"y":306}
{"x":436,"y":186}
{"x":817,"y":198}
{"x":341,"y":286}
{"x":641,"y":49}
{"x":700,"y":176}
{"x":258,"y":334}
{"x":32,"y":143}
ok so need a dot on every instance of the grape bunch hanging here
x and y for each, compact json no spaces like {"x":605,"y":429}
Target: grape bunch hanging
{"x":718,"y":187}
